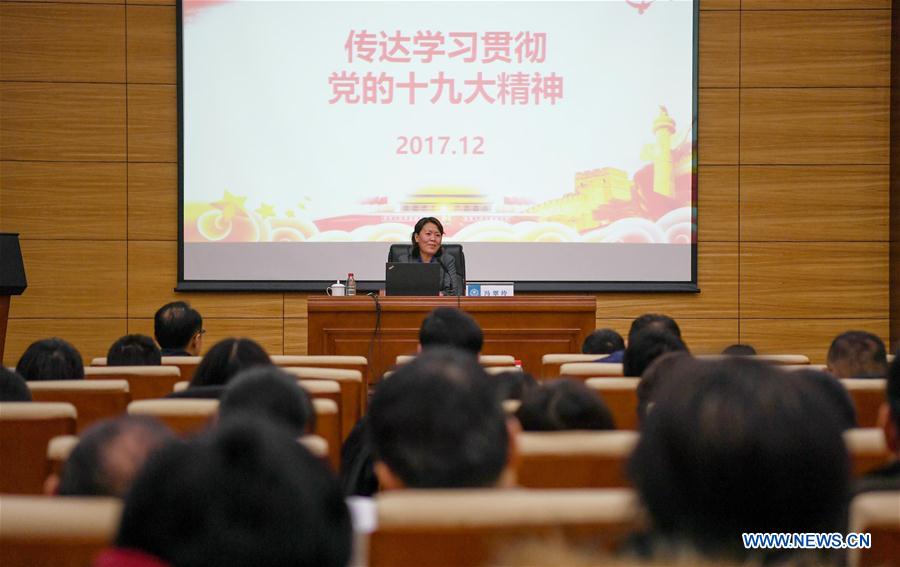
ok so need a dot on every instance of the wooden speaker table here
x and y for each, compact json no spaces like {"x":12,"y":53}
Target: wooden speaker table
{"x":526,"y":327}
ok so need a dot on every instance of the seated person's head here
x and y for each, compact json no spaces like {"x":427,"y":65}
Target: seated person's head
{"x":734,"y":446}
{"x":226,"y":358}
{"x":889,"y":413}
{"x":513,"y":384}
{"x":13,"y":387}
{"x":450,"y":327}
{"x":438,"y":422}
{"x":659,"y":371}
{"x":244,"y":494}
{"x":134,"y":350}
{"x":857,"y":354}
{"x":646,"y":346}
{"x":653,"y":321}
{"x":563,"y":405}
{"x":269,"y":393}
{"x":109,"y":455}
{"x":603,"y":341}
{"x":51,"y":359}
{"x":178,"y":327}
{"x":739,"y":350}
{"x":832,"y":389}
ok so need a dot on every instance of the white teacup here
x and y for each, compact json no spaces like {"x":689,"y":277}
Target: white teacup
{"x":336,"y":289}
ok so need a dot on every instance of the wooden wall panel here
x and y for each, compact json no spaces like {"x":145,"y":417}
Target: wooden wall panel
{"x":63,"y":122}
{"x":747,"y":5}
{"x":720,"y":4}
{"x":820,"y":202}
{"x":819,"y":280}
{"x":72,"y":279}
{"x":151,"y":45}
{"x":151,"y":2}
{"x":811,"y":337}
{"x":152,"y":123}
{"x":718,"y":280}
{"x":62,"y":42}
{"x":295,"y":304}
{"x":71,"y":1}
{"x":267,"y":332}
{"x":63,"y":200}
{"x":153,"y":201}
{"x":814,"y":126}
{"x":92,"y":337}
{"x":829,"y":48}
{"x":718,"y":126}
{"x":152,"y":274}
{"x":702,"y":336}
{"x":295,"y":336}
{"x":720,"y":49}
{"x":717,"y":201}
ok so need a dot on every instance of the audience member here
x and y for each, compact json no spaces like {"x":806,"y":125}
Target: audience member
{"x":270,"y":393}
{"x":563,"y":405}
{"x":857,"y":354}
{"x":603,"y":341}
{"x":888,"y":476}
{"x":51,"y":359}
{"x":225,"y":359}
{"x":832,"y":389}
{"x":512,"y":384}
{"x":109,"y":455}
{"x":245,"y":494}
{"x":739,"y":350}
{"x":642,"y":323}
{"x":134,"y":350}
{"x":659,"y":370}
{"x":438,"y":423}
{"x":646,"y":346}
{"x":451,"y":327}
{"x":178,"y":329}
{"x":732,"y":447}
{"x":13,"y":387}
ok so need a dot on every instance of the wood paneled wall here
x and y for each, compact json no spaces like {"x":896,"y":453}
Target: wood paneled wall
{"x":793,"y":172}
{"x":895,"y":174}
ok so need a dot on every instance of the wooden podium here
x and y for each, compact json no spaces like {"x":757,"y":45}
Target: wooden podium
{"x":381,"y":328}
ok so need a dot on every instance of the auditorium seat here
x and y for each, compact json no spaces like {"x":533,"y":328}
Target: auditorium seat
{"x":469,"y":527}
{"x":486,"y":360}
{"x":620,"y":396}
{"x":819,"y":367}
{"x":574,"y":459}
{"x":184,"y":416}
{"x":321,"y":361}
{"x":792,"y":359}
{"x":323,"y":390}
{"x":868,"y":449}
{"x":58,"y":450}
{"x":25,"y":430}
{"x":550,"y":363}
{"x":316,"y":445}
{"x":144,"y":382}
{"x":94,"y":399}
{"x":186,"y":364}
{"x":878,"y":514}
{"x":585,"y":370}
{"x":328,"y":427}
{"x":62,"y":532}
{"x":493,"y":370}
{"x":354,"y":394}
{"x":868,"y":394}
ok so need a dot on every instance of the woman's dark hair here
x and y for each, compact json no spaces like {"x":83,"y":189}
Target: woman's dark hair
{"x":659,"y":371}
{"x":226,"y":358}
{"x":645,"y":347}
{"x":13,"y":387}
{"x":51,"y":359}
{"x":420,"y":224}
{"x":134,"y":350}
{"x":603,"y":341}
{"x":563,"y":405}
{"x":270,"y":393}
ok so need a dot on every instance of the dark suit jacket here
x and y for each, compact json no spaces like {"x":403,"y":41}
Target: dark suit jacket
{"x":449,"y":284}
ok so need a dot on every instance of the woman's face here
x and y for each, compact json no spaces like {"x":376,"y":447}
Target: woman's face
{"x":429,"y":239}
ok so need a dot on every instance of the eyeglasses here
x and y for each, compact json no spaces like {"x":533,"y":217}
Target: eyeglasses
{"x":201,"y":332}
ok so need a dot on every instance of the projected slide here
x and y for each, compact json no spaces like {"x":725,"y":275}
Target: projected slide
{"x":554,"y":140}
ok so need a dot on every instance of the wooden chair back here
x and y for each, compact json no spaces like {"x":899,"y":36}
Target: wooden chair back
{"x":339,"y":362}
{"x":354,"y":394}
{"x":63,"y":532}
{"x":878,"y":514}
{"x":868,"y":394}
{"x":868,"y":449}
{"x":318,"y":446}
{"x":94,"y":399}
{"x":183,"y":416}
{"x":494,"y":370}
{"x":328,"y":427}
{"x":585,"y":370}
{"x":186,"y":364}
{"x":486,"y":360}
{"x":575,"y":459}
{"x":25,"y":430}
{"x":58,"y":450}
{"x":469,"y":527}
{"x":144,"y":382}
{"x":620,"y":396}
{"x":551,"y":363}
{"x":789,"y":359}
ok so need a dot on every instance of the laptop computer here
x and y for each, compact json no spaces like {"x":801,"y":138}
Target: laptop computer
{"x":412,"y":278}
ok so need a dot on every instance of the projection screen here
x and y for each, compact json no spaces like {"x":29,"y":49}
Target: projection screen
{"x":555,"y":140}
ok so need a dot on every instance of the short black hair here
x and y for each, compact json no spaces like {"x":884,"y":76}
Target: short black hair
{"x":831,"y":388}
{"x":244,"y":494}
{"x":892,"y":394}
{"x":51,"y":359}
{"x":13,"y":387}
{"x":603,"y":341}
{"x":646,"y":346}
{"x":512,"y":384}
{"x":448,"y":326}
{"x":732,"y":446}
{"x":226,"y":358}
{"x":438,"y":422}
{"x":563,"y":405}
{"x":89,"y":470}
{"x":660,"y":370}
{"x":653,"y":321}
{"x":270,"y":393}
{"x":739,"y":350}
{"x":175,"y":324}
{"x":134,"y":350}
{"x":858,"y":354}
